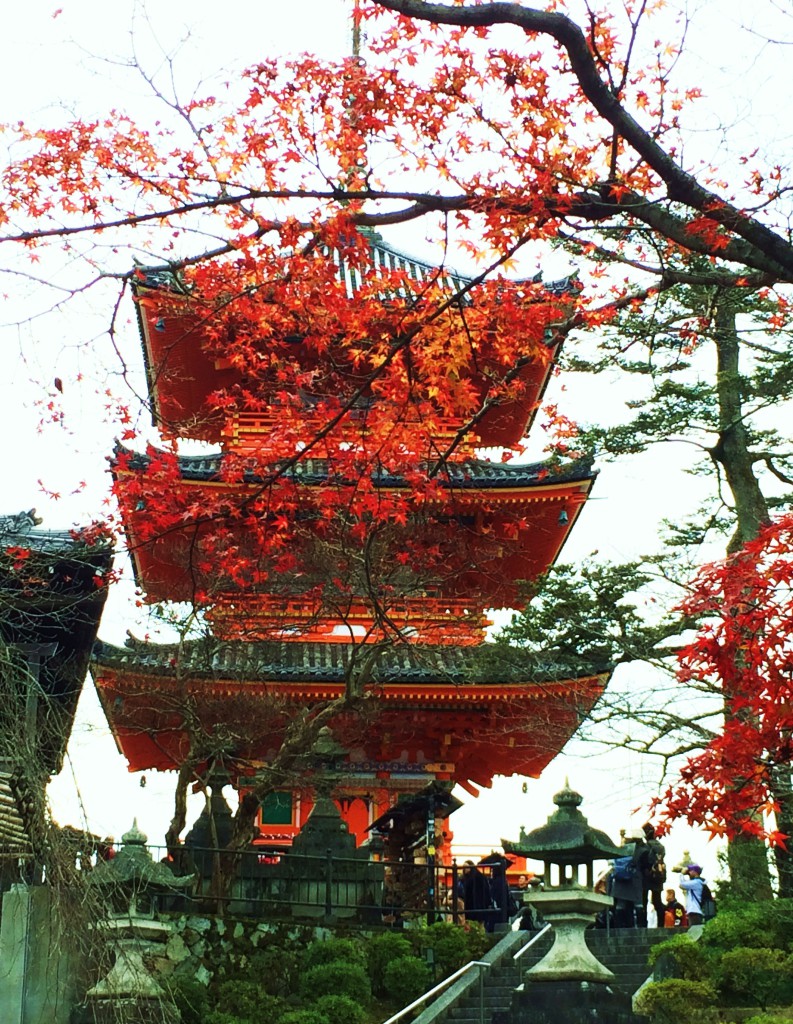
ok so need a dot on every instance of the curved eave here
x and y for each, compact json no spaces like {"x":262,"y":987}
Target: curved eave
{"x":445,"y":671}
{"x":548,"y":498}
{"x":471,"y":475}
{"x":503,"y":726}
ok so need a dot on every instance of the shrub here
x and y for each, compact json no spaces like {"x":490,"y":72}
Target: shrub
{"x":341,"y":1010}
{"x":221,"y":1017}
{"x":779,"y":920}
{"x":245,"y":1001}
{"x":679,"y":957}
{"x":477,"y":940}
{"x":303,"y":1017}
{"x":747,"y":926}
{"x":190,"y":998}
{"x":343,"y":979}
{"x":757,"y":976}
{"x":276,"y":969}
{"x":676,"y":1001}
{"x":332,"y":950}
{"x":406,"y":978}
{"x":380,"y":952}
{"x":450,"y":944}
{"x":767,"y":1018}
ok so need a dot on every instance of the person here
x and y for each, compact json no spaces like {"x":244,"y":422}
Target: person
{"x":476,"y":894}
{"x":653,"y":869}
{"x":604,"y":918}
{"x":692,"y":882}
{"x":530,"y":920}
{"x":503,"y":905}
{"x":626,"y":883}
{"x":674,"y":911}
{"x":451,"y":902}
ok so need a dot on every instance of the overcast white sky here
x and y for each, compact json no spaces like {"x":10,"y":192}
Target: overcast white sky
{"x":70,"y":53}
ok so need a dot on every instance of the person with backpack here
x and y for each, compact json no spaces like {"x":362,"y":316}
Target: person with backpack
{"x":625,"y":883}
{"x":698,"y":896}
{"x":653,"y":872}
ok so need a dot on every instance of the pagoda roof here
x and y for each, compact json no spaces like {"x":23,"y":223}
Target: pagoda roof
{"x":383,"y":257}
{"x":524,"y":512}
{"x":466,"y":713}
{"x":486,"y":664}
{"x":181,"y":375}
{"x":470,"y":474}
{"x":51,"y":599}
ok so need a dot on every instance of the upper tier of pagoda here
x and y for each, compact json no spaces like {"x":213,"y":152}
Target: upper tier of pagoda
{"x":205,"y":384}
{"x":349,"y":391}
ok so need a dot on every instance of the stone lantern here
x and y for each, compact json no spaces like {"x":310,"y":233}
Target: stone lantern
{"x":567,"y":845}
{"x":132,"y":880}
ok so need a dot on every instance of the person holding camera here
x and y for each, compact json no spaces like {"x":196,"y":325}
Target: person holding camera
{"x":693,"y":884}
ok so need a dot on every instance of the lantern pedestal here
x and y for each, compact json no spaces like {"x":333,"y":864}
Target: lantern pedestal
{"x":580,"y":1001}
{"x":570,"y":912}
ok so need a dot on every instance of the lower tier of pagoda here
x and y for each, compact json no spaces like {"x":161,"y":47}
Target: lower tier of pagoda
{"x":455,"y":715}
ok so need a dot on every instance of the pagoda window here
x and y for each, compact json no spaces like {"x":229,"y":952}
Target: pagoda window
{"x":277,"y":809}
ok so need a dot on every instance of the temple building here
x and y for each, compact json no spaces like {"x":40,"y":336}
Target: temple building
{"x":52,"y":592}
{"x":395,"y":616}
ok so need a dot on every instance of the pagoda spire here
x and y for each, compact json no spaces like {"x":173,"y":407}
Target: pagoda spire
{"x":356,"y":28}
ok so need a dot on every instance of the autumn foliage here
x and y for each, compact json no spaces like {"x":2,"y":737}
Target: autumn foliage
{"x":499,"y":128}
{"x":744,"y":648}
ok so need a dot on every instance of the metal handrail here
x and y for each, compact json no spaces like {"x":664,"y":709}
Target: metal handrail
{"x":440,"y":987}
{"x":531,"y":942}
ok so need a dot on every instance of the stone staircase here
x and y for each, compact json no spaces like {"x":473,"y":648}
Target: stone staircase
{"x":623,"y":951}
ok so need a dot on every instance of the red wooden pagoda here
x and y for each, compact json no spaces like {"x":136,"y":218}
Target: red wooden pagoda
{"x":447,"y":707}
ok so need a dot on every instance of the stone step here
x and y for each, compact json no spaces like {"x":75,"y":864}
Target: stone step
{"x":623,"y":951}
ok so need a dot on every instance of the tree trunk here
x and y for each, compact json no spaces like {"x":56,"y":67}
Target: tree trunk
{"x":783,"y":794}
{"x":747,"y":855}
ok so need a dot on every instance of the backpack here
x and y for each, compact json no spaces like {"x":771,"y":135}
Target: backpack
{"x":656,"y":868}
{"x":658,"y":871}
{"x":624,"y":869}
{"x":707,"y":903}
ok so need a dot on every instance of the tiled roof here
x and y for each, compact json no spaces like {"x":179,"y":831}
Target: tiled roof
{"x":383,"y":257}
{"x":456,"y":475}
{"x":50,"y":604}
{"x":298,"y":661}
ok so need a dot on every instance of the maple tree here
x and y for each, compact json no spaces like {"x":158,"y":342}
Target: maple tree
{"x":743,"y":774}
{"x":557,"y":133}
{"x":708,"y":365}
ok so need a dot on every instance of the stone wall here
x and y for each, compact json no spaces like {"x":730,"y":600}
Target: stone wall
{"x":202,"y":948}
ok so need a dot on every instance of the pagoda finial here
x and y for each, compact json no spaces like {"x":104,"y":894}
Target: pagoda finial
{"x":356,"y":28}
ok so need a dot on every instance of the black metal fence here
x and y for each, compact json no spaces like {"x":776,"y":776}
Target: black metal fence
{"x":277,"y":882}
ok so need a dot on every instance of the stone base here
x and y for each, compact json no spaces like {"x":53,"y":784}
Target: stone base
{"x":585,"y":1002}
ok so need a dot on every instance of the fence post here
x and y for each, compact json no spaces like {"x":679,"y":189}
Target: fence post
{"x":481,"y":994}
{"x":328,"y":883}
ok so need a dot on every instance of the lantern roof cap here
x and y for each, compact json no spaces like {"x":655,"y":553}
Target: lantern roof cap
{"x":566,"y":837}
{"x":133,"y":866}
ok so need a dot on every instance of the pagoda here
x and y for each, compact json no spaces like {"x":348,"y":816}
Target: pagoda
{"x":401,"y":615}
